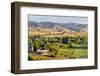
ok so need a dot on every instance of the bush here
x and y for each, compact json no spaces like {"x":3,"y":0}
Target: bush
{"x":30,"y":58}
{"x":38,"y":58}
{"x":65,"y":53}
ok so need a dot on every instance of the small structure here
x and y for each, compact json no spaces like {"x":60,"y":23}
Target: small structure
{"x":30,"y":48}
{"x":42,"y":52}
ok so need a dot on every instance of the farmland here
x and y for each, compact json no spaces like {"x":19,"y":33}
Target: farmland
{"x":50,"y":41}
{"x":62,"y":46}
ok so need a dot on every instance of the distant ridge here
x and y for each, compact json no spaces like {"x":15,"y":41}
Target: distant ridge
{"x":59,"y":26}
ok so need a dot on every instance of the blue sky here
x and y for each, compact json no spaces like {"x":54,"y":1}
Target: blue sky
{"x":58,"y":19}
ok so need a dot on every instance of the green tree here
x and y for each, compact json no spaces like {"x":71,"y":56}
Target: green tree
{"x":70,"y":43}
{"x":36,"y":45}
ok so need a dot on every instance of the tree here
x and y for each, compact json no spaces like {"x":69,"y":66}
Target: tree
{"x":30,"y":44}
{"x":70,"y":43}
{"x":36,"y":45}
{"x":65,"y":40}
{"x":78,"y":40}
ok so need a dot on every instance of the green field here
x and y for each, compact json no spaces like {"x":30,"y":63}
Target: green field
{"x":70,"y":53}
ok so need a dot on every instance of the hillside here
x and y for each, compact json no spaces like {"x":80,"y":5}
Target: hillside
{"x":51,"y":28}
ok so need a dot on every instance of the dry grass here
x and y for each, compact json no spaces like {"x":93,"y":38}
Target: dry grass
{"x":31,"y":57}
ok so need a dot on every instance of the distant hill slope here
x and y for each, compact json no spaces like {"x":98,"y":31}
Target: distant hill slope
{"x":58,"y":26}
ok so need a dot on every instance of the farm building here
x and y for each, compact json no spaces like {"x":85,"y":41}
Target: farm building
{"x":42,"y":52}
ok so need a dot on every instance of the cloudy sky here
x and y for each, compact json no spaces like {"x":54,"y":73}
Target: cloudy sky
{"x":58,"y":19}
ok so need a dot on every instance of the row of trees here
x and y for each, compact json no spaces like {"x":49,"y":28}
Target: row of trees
{"x":53,"y":44}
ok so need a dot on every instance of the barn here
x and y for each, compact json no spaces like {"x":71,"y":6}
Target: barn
{"x":42,"y":52}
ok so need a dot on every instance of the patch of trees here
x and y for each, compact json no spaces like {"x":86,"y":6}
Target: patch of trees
{"x":53,"y":44}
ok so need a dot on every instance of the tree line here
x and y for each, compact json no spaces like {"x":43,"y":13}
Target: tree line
{"x":56,"y":43}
